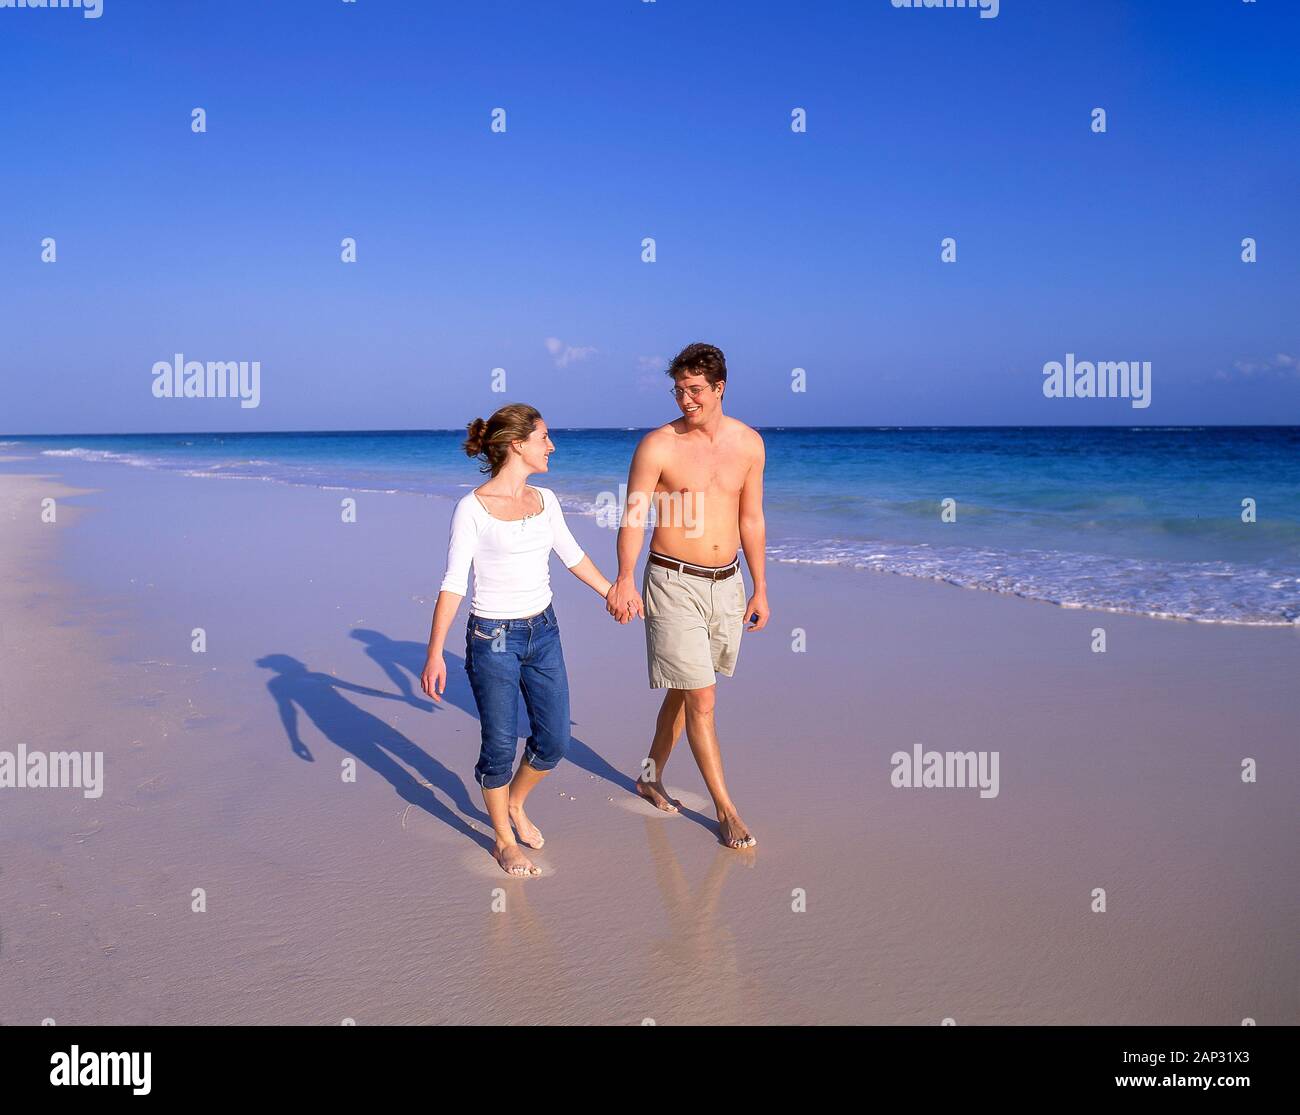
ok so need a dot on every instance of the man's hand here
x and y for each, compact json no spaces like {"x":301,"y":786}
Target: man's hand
{"x":623,"y":601}
{"x":757,"y":606}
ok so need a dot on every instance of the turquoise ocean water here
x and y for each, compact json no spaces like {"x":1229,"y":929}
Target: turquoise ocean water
{"x":1142,"y":520}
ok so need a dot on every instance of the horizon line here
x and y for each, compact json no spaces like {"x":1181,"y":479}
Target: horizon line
{"x":631,"y":429}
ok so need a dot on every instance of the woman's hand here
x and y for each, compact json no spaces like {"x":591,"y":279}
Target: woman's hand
{"x":434,"y":679}
{"x":623,"y":602}
{"x":610,"y":608}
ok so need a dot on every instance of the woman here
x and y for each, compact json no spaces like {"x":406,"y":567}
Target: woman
{"x":506,"y":530}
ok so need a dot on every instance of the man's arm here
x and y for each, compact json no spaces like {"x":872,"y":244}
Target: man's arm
{"x":753,"y":537}
{"x":624,"y":601}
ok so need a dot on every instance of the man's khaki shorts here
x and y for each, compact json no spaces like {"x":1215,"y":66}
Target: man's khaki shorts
{"x":692,"y":626}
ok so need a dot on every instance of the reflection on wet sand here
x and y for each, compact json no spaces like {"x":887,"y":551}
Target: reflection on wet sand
{"x":522,"y":974}
{"x":694,"y":974}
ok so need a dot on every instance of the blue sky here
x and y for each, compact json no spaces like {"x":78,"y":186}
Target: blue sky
{"x":625,"y":120}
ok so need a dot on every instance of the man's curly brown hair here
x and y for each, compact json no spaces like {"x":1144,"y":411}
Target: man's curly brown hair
{"x":699,"y":359}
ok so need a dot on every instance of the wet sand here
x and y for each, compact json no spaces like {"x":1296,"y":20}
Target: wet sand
{"x":374,"y":899}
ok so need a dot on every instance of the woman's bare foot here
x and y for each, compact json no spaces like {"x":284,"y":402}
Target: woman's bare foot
{"x":733,"y":832}
{"x":657,"y":796}
{"x":513,"y":861}
{"x":528,"y":832}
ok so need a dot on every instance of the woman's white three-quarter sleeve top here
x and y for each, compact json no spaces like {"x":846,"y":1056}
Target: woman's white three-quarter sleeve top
{"x":511,"y":559}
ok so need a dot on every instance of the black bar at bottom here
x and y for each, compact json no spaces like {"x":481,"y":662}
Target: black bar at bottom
{"x":585,"y":1065}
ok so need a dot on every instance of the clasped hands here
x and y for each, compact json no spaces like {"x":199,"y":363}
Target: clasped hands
{"x":623,"y":602}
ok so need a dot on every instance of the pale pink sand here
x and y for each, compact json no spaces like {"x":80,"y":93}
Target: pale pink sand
{"x":373,"y":900}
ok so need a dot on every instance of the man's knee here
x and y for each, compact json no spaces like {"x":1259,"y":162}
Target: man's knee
{"x":674,"y":699}
{"x":699,"y":701}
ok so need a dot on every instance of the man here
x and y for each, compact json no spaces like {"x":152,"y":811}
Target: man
{"x":704,"y":474}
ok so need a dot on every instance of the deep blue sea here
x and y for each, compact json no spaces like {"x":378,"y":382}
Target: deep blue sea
{"x":1142,"y":520}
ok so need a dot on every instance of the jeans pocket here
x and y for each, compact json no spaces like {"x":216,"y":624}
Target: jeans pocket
{"x":486,"y":631}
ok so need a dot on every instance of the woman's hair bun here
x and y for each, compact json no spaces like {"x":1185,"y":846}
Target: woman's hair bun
{"x":492,"y":439}
{"x":475,"y":431}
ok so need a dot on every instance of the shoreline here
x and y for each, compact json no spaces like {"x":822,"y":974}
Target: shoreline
{"x":967,"y":566}
{"x":373,"y":899}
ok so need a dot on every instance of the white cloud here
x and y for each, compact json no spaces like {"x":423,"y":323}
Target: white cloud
{"x":1281,"y":365}
{"x":565,"y":355}
{"x":652,"y":372}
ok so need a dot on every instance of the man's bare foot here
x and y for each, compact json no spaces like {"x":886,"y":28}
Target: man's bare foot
{"x":657,"y":796}
{"x":513,"y":861}
{"x":528,"y":832}
{"x":733,"y":832}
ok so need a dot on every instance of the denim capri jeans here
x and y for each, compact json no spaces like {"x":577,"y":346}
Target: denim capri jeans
{"x":503,"y":657}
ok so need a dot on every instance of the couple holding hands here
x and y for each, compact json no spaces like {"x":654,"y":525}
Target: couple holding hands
{"x":692,"y":597}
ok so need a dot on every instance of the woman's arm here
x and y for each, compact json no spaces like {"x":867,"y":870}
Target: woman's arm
{"x":434,"y":679}
{"x":588,"y":574}
{"x":455,"y":584}
{"x":564,"y":544}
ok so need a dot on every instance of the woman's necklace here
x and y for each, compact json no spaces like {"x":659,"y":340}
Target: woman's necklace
{"x":522,"y":522}
{"x":530,"y":515}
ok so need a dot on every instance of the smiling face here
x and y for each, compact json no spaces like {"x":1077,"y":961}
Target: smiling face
{"x":536,"y":449}
{"x":697,"y":399}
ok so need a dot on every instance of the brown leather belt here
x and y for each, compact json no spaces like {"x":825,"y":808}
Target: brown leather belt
{"x":719,"y":574}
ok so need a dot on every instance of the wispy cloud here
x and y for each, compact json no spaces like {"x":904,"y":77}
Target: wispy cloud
{"x":564,"y":355}
{"x":651,"y":370}
{"x":1281,"y":365}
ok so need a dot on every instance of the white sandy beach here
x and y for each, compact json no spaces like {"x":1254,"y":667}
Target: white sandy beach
{"x":374,"y":900}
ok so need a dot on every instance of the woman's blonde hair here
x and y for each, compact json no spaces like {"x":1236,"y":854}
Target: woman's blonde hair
{"x":491,"y":440}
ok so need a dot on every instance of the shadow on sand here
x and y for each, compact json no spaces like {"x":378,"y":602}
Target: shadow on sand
{"x":379,"y":745}
{"x":402,"y":661}
{"x":387,"y":751}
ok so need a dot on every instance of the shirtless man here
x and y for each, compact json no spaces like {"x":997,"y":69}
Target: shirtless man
{"x":704,"y":472}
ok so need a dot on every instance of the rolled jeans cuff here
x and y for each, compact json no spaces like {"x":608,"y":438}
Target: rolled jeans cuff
{"x":493,"y":781}
{"x":537,"y":763}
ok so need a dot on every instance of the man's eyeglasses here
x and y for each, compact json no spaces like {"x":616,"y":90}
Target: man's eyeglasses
{"x":678,"y":392}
